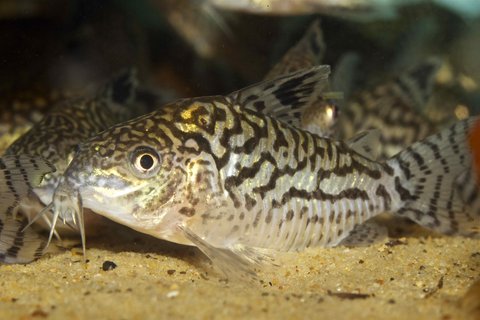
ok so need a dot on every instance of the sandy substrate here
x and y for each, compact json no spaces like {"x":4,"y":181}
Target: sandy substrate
{"x":415,"y":276}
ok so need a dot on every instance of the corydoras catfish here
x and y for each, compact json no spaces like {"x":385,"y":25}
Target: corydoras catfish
{"x":220,"y":174}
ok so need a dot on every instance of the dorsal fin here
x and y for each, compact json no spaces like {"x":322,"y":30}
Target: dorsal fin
{"x":366,"y":143}
{"x":286,"y":97}
{"x":307,"y":52}
{"x":122,"y":88}
{"x":416,"y":85}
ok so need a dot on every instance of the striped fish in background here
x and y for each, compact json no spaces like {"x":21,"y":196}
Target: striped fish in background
{"x":55,"y":139}
{"x":393,"y":109}
{"x":18,"y":176}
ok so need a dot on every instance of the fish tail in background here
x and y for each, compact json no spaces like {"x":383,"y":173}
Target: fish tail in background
{"x":425,"y":178}
{"x":18,"y":245}
{"x":18,"y":175}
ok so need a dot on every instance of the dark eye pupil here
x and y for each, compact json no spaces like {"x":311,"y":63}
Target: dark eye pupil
{"x":146,"y":161}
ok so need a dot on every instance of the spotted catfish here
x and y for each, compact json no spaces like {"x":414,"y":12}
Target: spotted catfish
{"x":214,"y":173}
{"x":55,"y":139}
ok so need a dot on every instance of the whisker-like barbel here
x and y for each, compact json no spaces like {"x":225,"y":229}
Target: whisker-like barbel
{"x":67,"y":202}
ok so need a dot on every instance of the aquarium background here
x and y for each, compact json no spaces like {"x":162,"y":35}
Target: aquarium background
{"x":51,"y":49}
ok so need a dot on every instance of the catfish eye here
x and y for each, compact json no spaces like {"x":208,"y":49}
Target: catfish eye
{"x":145,"y":162}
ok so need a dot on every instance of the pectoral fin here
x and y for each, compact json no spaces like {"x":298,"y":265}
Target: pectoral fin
{"x":236,"y":261}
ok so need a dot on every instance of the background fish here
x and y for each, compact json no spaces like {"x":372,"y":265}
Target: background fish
{"x":393,"y":109}
{"x":197,"y":22}
{"x":56,"y":138}
{"x":353,"y":9}
{"x":18,"y":176}
{"x":21,"y":109}
{"x":215,"y":173}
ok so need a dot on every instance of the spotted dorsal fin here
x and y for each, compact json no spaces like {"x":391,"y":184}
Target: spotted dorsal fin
{"x":285,"y":98}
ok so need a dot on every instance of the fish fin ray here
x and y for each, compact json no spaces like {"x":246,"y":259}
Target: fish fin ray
{"x":285,"y":98}
{"x":18,"y":245}
{"x":235,"y":261}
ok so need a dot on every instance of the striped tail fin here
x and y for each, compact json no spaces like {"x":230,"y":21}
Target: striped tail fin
{"x":18,"y":175}
{"x":426,"y":180}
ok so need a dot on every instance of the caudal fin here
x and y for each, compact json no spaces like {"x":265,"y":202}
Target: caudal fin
{"x":426,"y":180}
{"x":18,"y":175}
{"x":17,"y":244}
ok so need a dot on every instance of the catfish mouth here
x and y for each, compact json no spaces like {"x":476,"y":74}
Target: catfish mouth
{"x":140,"y":207}
{"x":127,"y":204}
